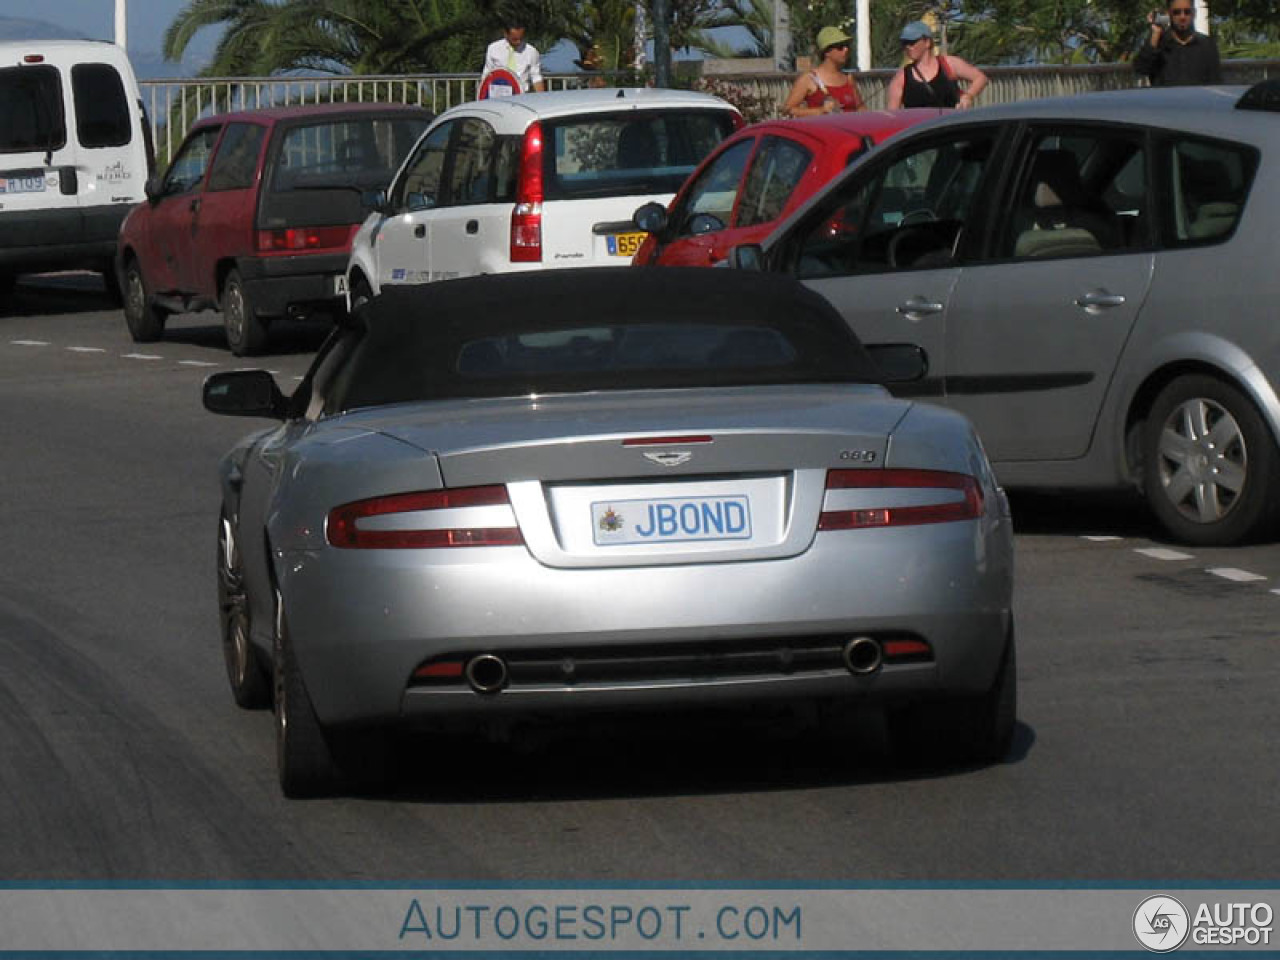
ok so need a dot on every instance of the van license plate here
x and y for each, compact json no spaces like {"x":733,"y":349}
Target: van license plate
{"x":22,"y":184}
{"x":624,"y":244}
{"x":677,"y":520}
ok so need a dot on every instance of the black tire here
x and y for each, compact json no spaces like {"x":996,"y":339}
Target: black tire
{"x":304,"y":759}
{"x":966,"y":730}
{"x":144,"y":319}
{"x":1207,"y":462}
{"x":246,"y":331}
{"x":247,"y":671}
{"x":361,"y":294}
{"x":111,"y":284}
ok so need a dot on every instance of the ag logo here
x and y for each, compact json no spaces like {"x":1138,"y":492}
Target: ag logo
{"x":1161,"y":923}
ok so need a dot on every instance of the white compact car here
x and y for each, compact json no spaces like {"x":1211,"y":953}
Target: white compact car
{"x":75,"y":154}
{"x":534,"y":181}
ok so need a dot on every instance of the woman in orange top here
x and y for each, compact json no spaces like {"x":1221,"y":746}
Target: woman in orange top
{"x":827,"y":88}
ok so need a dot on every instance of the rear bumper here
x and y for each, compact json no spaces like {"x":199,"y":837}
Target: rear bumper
{"x":278,"y":284}
{"x":362,"y":621}
{"x":32,"y":241}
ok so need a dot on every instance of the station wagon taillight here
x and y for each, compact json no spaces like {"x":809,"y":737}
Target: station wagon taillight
{"x":430,"y":519}
{"x":526,"y":218}
{"x":942,"y":498}
{"x":305,"y":238}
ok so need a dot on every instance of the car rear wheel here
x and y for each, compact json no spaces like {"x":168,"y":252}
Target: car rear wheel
{"x":144,"y":319}
{"x":1208,"y":460}
{"x":964,"y":729}
{"x":246,"y":332}
{"x":361,"y":294}
{"x":246,"y":670}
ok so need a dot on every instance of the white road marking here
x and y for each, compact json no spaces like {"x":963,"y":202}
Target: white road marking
{"x":196,"y":363}
{"x":1231,"y":573}
{"x":30,"y":343}
{"x":1163,"y":553}
{"x":1100,"y":538}
{"x":141,"y":356}
{"x":87,"y":349}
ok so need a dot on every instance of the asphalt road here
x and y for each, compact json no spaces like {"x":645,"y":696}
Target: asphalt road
{"x":1147,"y":747}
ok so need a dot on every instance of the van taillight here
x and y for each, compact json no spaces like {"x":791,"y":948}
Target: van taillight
{"x":33,"y":58}
{"x":943,"y":497}
{"x":306,"y":238}
{"x":526,"y":218}
{"x":430,"y":519}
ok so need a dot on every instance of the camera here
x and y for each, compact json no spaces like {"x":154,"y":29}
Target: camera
{"x":1161,"y":20}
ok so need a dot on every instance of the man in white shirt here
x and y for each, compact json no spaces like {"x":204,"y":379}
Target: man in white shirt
{"x":512,"y":53}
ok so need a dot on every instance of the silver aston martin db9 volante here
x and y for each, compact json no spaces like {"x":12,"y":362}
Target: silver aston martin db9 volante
{"x":597,"y":490}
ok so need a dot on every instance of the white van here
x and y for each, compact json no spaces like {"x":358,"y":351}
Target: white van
{"x":75,"y":153}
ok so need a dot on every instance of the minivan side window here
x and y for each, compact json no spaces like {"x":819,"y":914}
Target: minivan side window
{"x":419,"y":187}
{"x":1078,"y":194}
{"x":471,"y":172}
{"x":102,"y":108}
{"x":188,"y":167}
{"x":908,"y":213}
{"x":237,"y":159}
{"x":31,"y":105}
{"x":1209,"y":182}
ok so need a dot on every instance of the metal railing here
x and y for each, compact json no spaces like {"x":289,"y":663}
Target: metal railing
{"x":174,"y":105}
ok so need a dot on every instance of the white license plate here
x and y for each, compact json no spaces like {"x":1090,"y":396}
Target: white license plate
{"x":22,"y":184}
{"x":340,"y":285}
{"x":676,"y":520}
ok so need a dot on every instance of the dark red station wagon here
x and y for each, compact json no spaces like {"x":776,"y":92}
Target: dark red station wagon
{"x":255,"y":216}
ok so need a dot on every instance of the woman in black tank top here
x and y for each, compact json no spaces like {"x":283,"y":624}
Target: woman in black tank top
{"x":930,"y":80}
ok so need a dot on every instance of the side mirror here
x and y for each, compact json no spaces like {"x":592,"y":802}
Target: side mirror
{"x":748,"y":256}
{"x":375,"y":200}
{"x":154,"y":188}
{"x":705,"y":223}
{"x":244,"y":393}
{"x":899,"y":362}
{"x":651,"y":218}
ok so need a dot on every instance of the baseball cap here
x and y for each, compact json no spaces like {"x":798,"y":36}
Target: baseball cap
{"x":830,"y":36}
{"x":914,"y":31}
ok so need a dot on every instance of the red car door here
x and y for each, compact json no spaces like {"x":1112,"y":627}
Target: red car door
{"x":706,"y":209}
{"x":168,"y":244}
{"x":222,"y":223}
{"x":778,"y":167}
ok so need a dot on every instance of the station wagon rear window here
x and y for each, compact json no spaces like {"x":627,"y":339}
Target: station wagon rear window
{"x":31,"y":105}
{"x":625,"y":154}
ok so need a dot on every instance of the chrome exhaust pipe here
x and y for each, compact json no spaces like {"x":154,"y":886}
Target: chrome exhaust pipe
{"x":486,"y":673}
{"x":862,"y":655}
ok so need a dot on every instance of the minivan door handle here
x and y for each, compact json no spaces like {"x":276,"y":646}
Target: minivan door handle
{"x":918,"y":307}
{"x":473,"y":226}
{"x":1096,"y":300}
{"x":420,"y":231}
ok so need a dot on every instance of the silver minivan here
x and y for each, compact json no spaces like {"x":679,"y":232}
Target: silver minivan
{"x":75,"y":154}
{"x":1093,"y":279}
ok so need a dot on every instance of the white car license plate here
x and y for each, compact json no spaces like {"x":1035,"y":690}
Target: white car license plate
{"x":673,"y":520}
{"x":22,"y":184}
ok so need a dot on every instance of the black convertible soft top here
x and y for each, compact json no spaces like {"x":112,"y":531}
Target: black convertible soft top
{"x":558,"y":331}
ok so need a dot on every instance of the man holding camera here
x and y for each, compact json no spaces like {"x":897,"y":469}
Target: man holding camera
{"x":1175,"y":54}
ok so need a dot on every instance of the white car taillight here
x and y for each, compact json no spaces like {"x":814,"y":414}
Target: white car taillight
{"x":526,"y":218}
{"x":431,"y":519}
{"x":953,"y":496}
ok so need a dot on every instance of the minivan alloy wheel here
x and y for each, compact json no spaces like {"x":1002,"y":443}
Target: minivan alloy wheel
{"x":1203,"y":460}
{"x":1208,"y":459}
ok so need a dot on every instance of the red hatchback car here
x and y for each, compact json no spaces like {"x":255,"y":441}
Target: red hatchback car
{"x":256,"y":213}
{"x":755,"y":179}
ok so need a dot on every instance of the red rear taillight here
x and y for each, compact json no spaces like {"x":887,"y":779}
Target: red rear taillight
{"x":739,"y":121}
{"x":526,"y":218}
{"x":948,"y":508}
{"x":295,"y":239}
{"x":344,"y":528}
